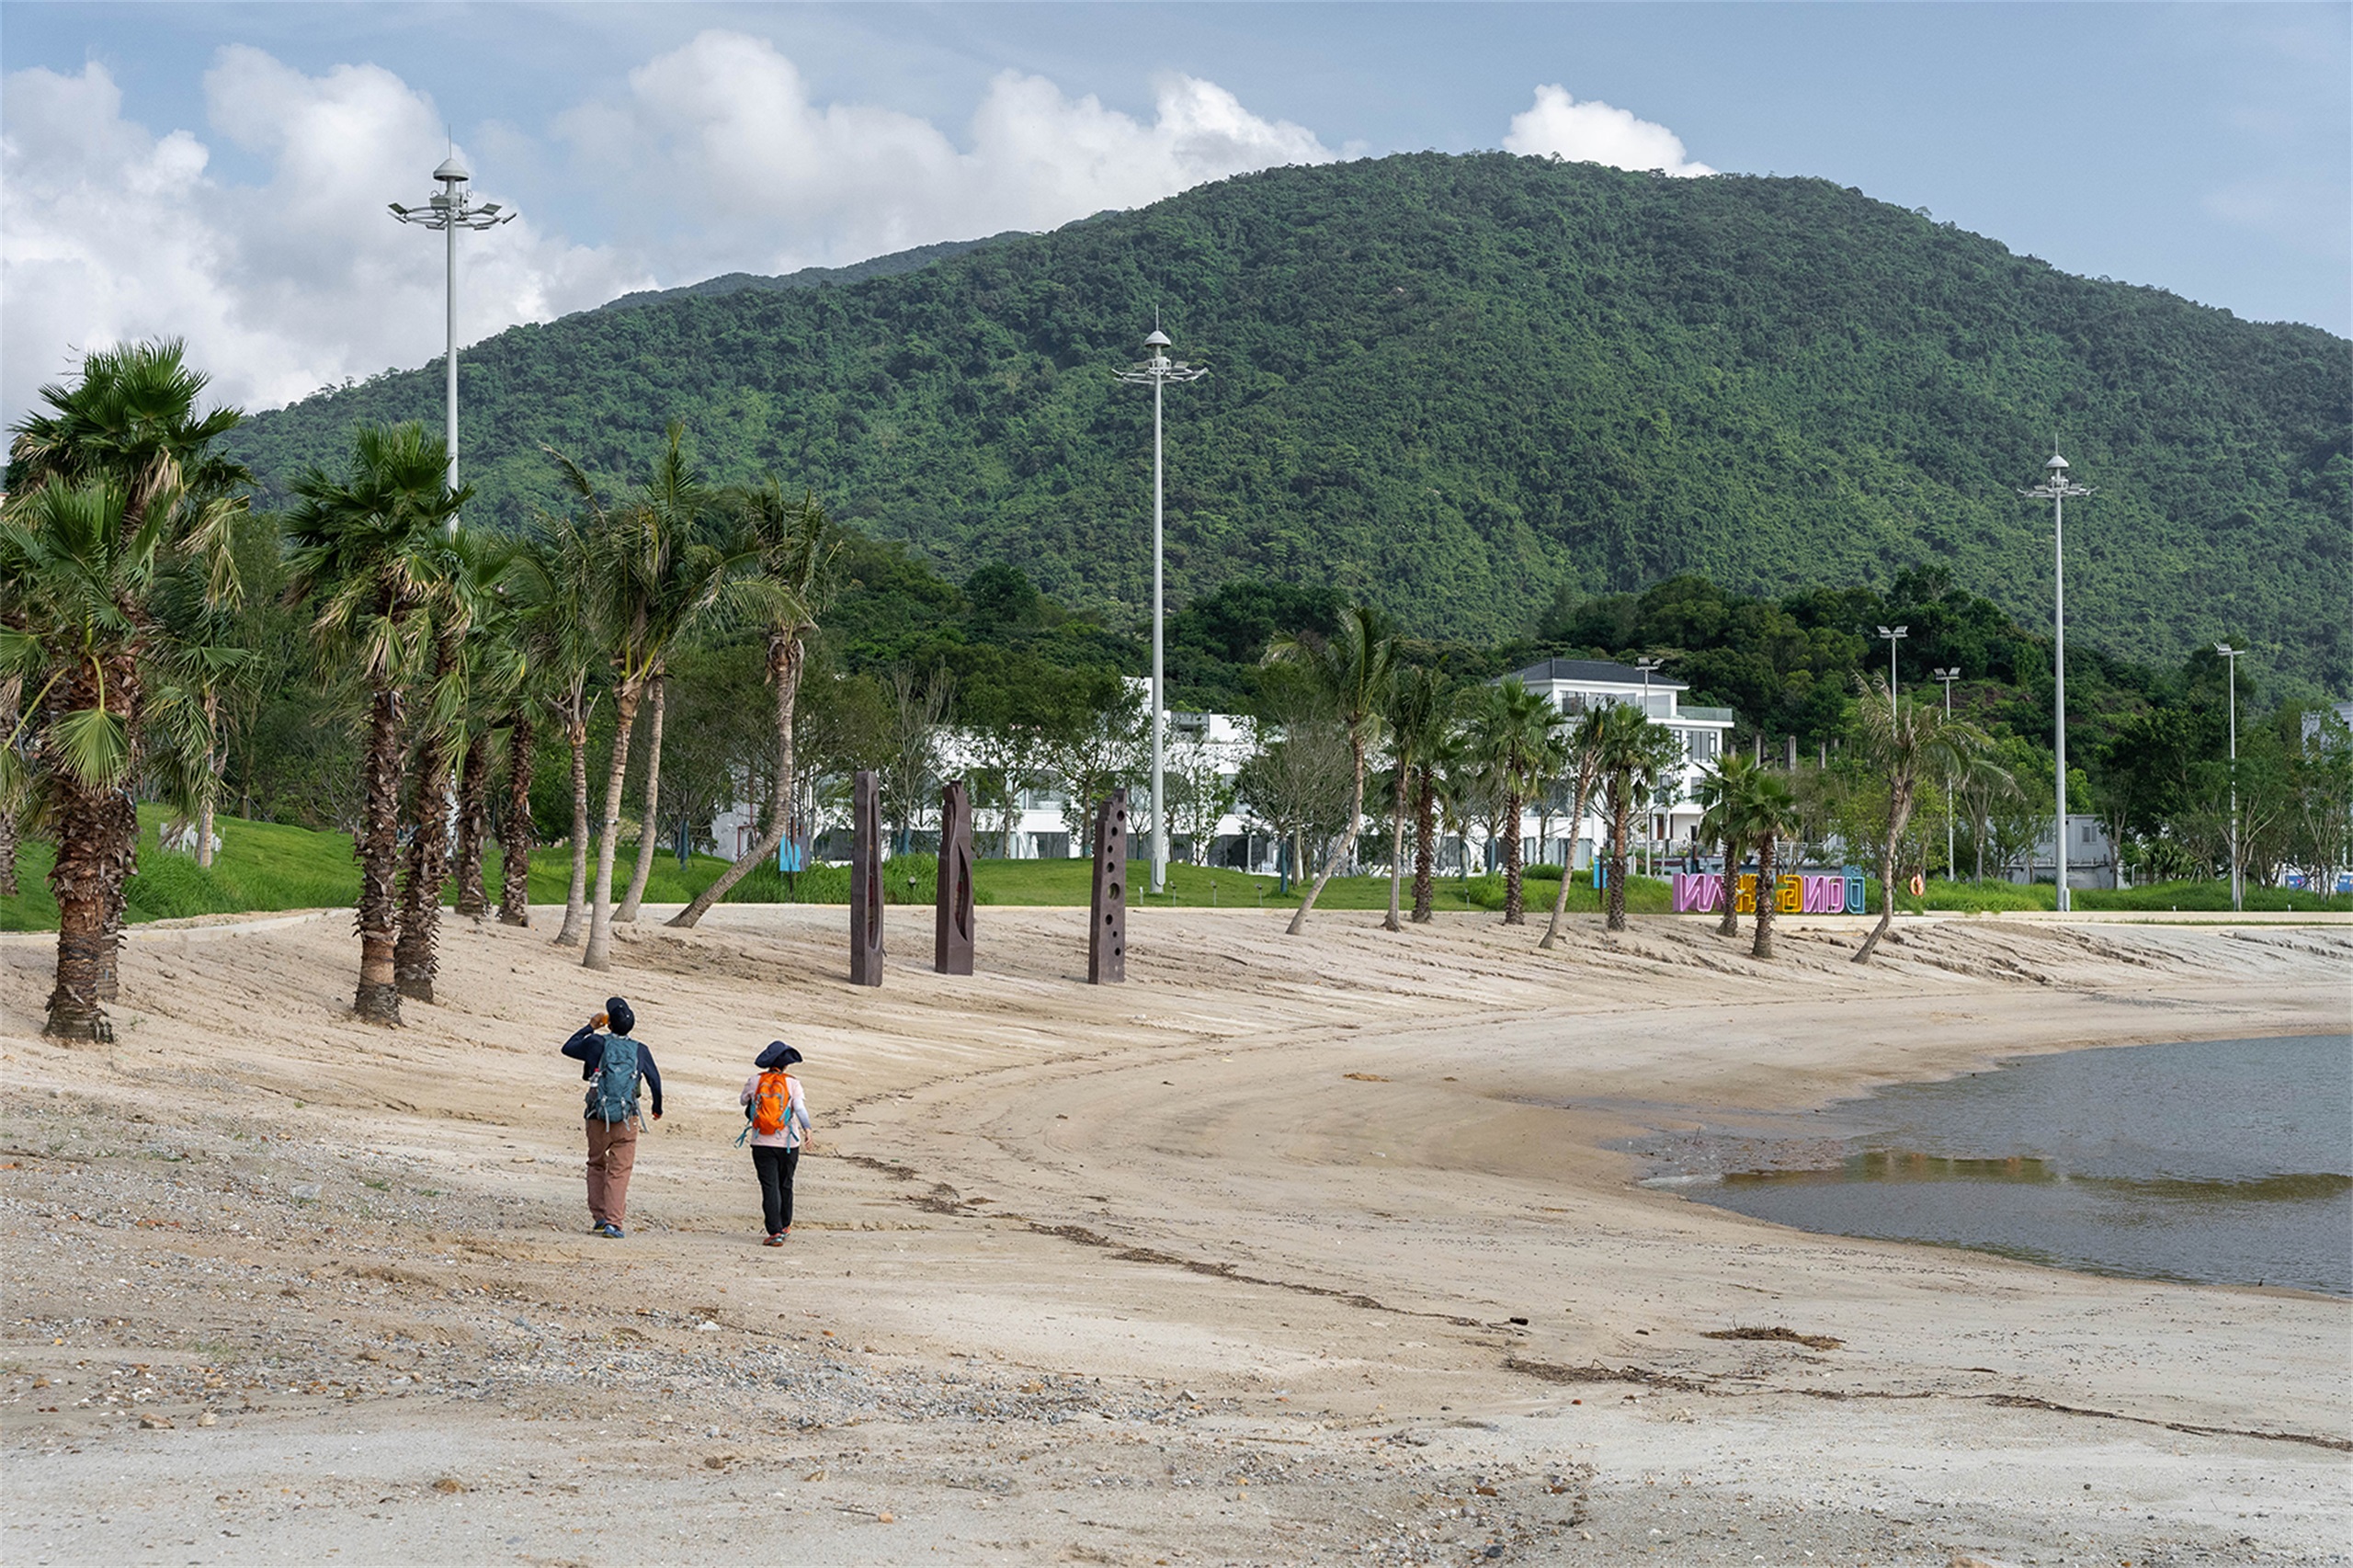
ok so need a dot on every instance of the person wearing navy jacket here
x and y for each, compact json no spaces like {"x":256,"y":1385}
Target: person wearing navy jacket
{"x":612,"y":1113}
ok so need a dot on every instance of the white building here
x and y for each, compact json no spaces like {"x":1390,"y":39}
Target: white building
{"x":1578,"y":685}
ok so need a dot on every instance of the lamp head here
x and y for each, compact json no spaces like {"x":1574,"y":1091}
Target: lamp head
{"x":2056,"y":465}
{"x":1158,"y":339}
{"x":452,"y":170}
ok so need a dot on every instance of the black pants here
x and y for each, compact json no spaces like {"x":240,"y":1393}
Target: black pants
{"x":774,"y":1166}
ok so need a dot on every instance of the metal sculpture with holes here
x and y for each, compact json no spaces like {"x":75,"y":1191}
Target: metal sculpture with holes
{"x":1107,"y":937}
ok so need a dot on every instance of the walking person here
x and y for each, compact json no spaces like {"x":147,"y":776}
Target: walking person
{"x":616,"y":1068}
{"x":778,"y":1123}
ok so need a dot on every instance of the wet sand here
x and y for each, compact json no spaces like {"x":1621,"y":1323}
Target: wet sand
{"x":1227,"y":1264}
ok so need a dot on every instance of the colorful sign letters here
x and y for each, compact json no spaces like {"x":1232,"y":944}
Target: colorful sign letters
{"x":1839,"y":893}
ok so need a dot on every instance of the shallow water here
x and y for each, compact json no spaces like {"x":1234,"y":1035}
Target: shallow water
{"x":2216,"y":1161}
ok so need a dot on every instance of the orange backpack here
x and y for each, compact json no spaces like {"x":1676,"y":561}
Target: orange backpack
{"x":771,"y":1104}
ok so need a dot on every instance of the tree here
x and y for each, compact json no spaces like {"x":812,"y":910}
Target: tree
{"x":1102,"y":747}
{"x":564,"y":640}
{"x":1515,"y":730}
{"x":1727,"y":791}
{"x":369,"y":548}
{"x":919,"y":706}
{"x":1906,"y":741}
{"x":1630,"y":751}
{"x":1581,"y":759}
{"x":787,"y":550}
{"x":651,"y":581}
{"x":1352,"y":671}
{"x":1769,"y":814}
{"x":1419,"y":712}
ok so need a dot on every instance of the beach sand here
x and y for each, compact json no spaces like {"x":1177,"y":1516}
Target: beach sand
{"x":1289,"y":1250}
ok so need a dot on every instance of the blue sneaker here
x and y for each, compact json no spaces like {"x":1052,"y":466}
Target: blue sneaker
{"x":609,"y":1230}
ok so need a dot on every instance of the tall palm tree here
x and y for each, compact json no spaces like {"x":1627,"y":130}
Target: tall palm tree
{"x":788,"y":550}
{"x":1516,"y":731}
{"x":132,"y":419}
{"x":654,"y":580}
{"x":369,"y":546}
{"x":1725,"y":790}
{"x":1907,"y":741}
{"x":564,"y":640}
{"x":1419,"y":711}
{"x":1582,"y":762}
{"x":1770,"y":814}
{"x":1630,"y":753}
{"x":1352,"y":672}
{"x":73,"y":585}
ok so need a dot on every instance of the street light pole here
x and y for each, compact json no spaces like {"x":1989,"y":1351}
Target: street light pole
{"x":2238,"y":882}
{"x":1947,"y":677}
{"x":449,"y":211}
{"x":1646,"y":664}
{"x":2055,"y":489}
{"x":1158,"y":371}
{"x":1893,"y":636}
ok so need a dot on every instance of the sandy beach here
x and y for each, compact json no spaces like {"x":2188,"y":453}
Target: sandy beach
{"x":1291,"y":1250}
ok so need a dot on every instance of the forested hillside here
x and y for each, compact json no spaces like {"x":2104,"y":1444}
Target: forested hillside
{"x":1453,"y":385}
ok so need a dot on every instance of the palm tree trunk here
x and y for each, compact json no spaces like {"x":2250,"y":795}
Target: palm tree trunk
{"x":1886,"y":892}
{"x":1515,"y":900}
{"x":208,"y":788}
{"x":575,"y":902}
{"x":1767,"y":863}
{"x":1341,"y":845}
{"x":473,"y":806}
{"x":1730,"y":925}
{"x":94,"y":858}
{"x":12,"y":689}
{"x":414,"y":959}
{"x":785,"y":669}
{"x":1396,"y":845}
{"x":1622,"y":792}
{"x":600,"y":953}
{"x":514,"y":835}
{"x":378,"y":851}
{"x":649,"y":831}
{"x":1424,"y":841}
{"x":1561,"y":894}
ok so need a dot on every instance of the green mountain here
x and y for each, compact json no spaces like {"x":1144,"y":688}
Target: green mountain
{"x":1455,"y":385}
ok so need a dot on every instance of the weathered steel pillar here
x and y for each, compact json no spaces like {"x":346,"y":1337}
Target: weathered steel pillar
{"x":1106,"y":936}
{"x":866,"y":882}
{"x":951,"y":945}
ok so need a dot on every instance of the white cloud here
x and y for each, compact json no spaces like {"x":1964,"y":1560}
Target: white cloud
{"x":749,"y":172}
{"x":1594,"y":132}
{"x":109,"y":233}
{"x":716,"y":159}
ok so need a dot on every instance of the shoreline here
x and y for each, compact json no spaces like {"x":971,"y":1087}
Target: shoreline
{"x":1266,"y":1248}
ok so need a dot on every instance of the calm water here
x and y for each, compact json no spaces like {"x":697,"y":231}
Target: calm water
{"x":2217,"y":1161}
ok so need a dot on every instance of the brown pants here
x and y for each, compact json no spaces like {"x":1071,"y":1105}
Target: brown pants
{"x":612,"y":1154}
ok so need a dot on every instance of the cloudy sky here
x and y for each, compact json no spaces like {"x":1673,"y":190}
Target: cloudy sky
{"x":221,"y":171}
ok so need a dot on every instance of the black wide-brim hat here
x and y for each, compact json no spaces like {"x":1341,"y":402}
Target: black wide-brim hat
{"x":778,"y":1054}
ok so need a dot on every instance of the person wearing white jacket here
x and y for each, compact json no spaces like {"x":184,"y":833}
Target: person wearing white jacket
{"x":779,"y":1125}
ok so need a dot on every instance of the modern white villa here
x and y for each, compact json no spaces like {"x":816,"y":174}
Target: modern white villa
{"x":1578,"y":685}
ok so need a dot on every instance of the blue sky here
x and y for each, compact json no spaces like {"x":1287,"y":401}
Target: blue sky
{"x":221,"y":169}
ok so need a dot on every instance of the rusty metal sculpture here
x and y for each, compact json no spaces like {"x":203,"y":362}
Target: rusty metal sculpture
{"x":1107,"y":936}
{"x":866,"y":882}
{"x":951,"y":943}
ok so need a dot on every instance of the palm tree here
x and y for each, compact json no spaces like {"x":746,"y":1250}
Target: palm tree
{"x":1907,"y":740}
{"x":73,"y":582}
{"x":132,"y":419}
{"x":1770,"y":814}
{"x":1629,"y":752}
{"x":1352,"y":672}
{"x":1725,"y":790}
{"x":1581,"y":761}
{"x":370,"y":547}
{"x":652,"y":581}
{"x":1419,"y":712}
{"x":564,"y":640}
{"x":1516,"y":731}
{"x":788,"y":547}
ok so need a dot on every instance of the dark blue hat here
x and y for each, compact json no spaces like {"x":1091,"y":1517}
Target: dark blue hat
{"x":778,"y":1054}
{"x":617,"y":1014}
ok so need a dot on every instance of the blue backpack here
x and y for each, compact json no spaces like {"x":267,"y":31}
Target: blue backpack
{"x":612,"y":1089}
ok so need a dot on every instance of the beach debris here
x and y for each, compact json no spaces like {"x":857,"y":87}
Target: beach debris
{"x":448,"y":1485}
{"x":1788,"y":1335}
{"x":155,"y":1423}
{"x":208,"y":1419}
{"x":1366,"y":1077}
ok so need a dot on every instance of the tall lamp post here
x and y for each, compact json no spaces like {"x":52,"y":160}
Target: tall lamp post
{"x":1650,"y":839}
{"x":2238,"y":883}
{"x":1158,"y":372}
{"x":2056,"y":488}
{"x":1947,"y":678}
{"x":1894,"y":635}
{"x":449,"y":211}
